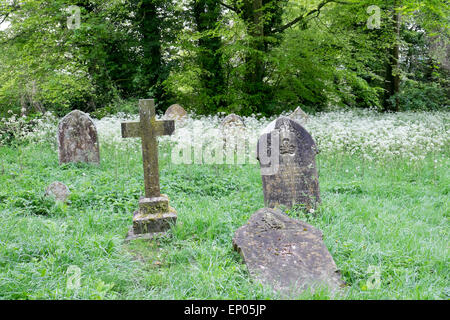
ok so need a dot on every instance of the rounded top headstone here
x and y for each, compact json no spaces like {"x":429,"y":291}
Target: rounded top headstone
{"x":58,"y":190}
{"x":78,"y":139}
{"x":175,"y":112}
{"x":232,"y":120}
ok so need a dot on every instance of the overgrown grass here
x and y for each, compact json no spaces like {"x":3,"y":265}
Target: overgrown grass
{"x":391,"y":215}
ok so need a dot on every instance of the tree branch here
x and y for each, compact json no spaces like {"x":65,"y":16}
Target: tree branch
{"x":229,"y":7}
{"x":300,"y":18}
{"x":13,"y":7}
{"x":5,"y":17}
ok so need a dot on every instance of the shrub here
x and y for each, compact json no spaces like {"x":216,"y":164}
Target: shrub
{"x":419,"y":96}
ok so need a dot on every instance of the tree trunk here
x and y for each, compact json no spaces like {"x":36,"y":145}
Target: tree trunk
{"x":149,"y":28}
{"x":206,"y":14}
{"x":392,"y":80}
{"x":254,"y":67}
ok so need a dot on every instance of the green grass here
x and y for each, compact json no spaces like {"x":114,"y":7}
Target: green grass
{"x":390,"y":215}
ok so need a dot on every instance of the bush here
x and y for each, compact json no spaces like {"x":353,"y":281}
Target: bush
{"x":420,"y":96}
{"x":38,"y":128}
{"x":126,"y":106}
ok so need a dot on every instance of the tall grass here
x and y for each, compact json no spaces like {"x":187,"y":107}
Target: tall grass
{"x":389,"y":213}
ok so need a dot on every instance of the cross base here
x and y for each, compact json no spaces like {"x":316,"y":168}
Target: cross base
{"x":153,"y":205}
{"x":153,"y":218}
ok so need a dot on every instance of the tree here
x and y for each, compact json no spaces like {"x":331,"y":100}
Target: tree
{"x":206,"y":15}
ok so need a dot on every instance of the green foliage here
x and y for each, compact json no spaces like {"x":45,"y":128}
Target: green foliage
{"x":423,"y":96}
{"x":130,"y":106}
{"x":247,"y":57}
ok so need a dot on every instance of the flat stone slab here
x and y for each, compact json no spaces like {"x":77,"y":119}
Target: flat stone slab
{"x":286,"y":254}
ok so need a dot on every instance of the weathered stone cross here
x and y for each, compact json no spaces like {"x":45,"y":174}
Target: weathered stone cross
{"x":154,"y":215}
{"x":148,"y":129}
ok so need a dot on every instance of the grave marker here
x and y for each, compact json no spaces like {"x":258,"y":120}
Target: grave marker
{"x":77,"y":139}
{"x":286,"y":254}
{"x":286,"y":152}
{"x":154,"y":214}
{"x":175,"y":112}
{"x":58,"y":190}
{"x":299,"y":115}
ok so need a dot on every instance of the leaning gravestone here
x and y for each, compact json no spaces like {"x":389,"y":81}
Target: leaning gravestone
{"x":286,"y":152}
{"x":175,"y":112}
{"x":286,"y":254}
{"x":77,"y":139}
{"x":58,"y":190}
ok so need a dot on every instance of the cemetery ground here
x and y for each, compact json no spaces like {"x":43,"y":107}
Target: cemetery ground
{"x":384,"y":220}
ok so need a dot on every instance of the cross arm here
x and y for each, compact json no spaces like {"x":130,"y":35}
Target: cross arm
{"x":161,"y":128}
{"x":130,"y":129}
{"x":164,"y":128}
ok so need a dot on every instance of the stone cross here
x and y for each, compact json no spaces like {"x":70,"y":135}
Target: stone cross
{"x":154,"y":215}
{"x":148,"y":129}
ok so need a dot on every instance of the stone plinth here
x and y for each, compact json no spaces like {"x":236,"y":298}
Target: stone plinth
{"x":154,"y":217}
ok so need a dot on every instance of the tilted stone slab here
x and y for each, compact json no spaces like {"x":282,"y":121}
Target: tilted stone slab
{"x":286,"y":254}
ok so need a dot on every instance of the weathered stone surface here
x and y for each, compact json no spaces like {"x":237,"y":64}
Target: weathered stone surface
{"x":153,"y":223}
{"x":154,"y":217}
{"x":175,"y":112}
{"x":154,"y":205}
{"x":154,"y":214}
{"x":286,"y":152}
{"x":232,"y":120}
{"x":77,"y":139}
{"x":286,"y":254}
{"x":58,"y":190}
{"x":299,"y":115}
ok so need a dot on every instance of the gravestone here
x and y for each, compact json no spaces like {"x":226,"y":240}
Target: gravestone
{"x":175,"y":112}
{"x":58,"y":190}
{"x":286,"y":152}
{"x":299,"y":115}
{"x":77,"y":139}
{"x":154,"y":215}
{"x":286,"y":254}
{"x":232,"y":120}
{"x":233,"y":127}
